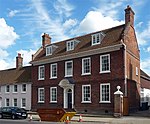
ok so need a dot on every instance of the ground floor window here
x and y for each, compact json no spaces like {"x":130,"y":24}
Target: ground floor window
{"x":15,"y":102}
{"x":86,"y":93}
{"x":53,"y":94}
{"x":23,"y":102}
{"x":105,"y":92}
{"x":41,"y":95}
{"x":7,"y":102}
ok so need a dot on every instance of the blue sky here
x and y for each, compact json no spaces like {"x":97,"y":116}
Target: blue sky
{"x":22,"y":23}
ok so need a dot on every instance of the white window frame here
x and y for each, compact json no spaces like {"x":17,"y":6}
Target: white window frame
{"x":66,"y":69}
{"x":23,"y":87}
{"x":6,"y":89}
{"x":14,"y":102}
{"x":14,"y":89}
{"x":83,"y":101}
{"x":39,"y":97}
{"x":70,"y":45}
{"x":6,"y":102}
{"x":51,"y":76}
{"x":48,"y":50}
{"x":101,"y":85}
{"x":39,"y":73}
{"x":105,"y":71}
{"x":51,"y":95}
{"x":137,"y":71}
{"x":22,"y":103}
{"x":95,"y":38}
{"x":83,"y":66}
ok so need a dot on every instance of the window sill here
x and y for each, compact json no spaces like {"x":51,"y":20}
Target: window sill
{"x":53,"y":102}
{"x":103,"y":72}
{"x":40,"y":101}
{"x":68,"y":75}
{"x":105,"y":102}
{"x":86,"y":102}
{"x":53,"y":78}
{"x":23,"y":92}
{"x":84,"y":74}
{"x":41,"y":79}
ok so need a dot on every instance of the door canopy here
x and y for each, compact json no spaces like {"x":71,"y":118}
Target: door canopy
{"x":66,"y":83}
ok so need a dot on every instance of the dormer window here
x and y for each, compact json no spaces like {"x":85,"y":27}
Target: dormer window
{"x":70,"y":45}
{"x":48,"y":50}
{"x":97,"y":38}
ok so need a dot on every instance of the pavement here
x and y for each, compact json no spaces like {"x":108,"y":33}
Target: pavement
{"x":140,"y":117}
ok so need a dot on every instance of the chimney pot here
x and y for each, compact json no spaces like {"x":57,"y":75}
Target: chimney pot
{"x":19,"y":61}
{"x":129,"y":16}
{"x":46,"y":39}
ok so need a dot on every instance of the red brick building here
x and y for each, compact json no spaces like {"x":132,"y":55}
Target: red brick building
{"x":83,"y":72}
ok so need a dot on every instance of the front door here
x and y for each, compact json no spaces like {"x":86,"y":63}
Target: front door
{"x":69,"y":95}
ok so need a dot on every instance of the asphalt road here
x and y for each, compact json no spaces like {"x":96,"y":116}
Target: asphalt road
{"x":10,"y":121}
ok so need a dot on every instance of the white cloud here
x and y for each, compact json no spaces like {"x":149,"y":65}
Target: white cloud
{"x":7,"y":34}
{"x":148,"y":49}
{"x":143,"y":36}
{"x":3,"y":64}
{"x":12,"y":13}
{"x":63,"y":7}
{"x":145,"y":65}
{"x":27,"y":56}
{"x":3,"y":54}
{"x":95,"y":21}
{"x":69,"y":23}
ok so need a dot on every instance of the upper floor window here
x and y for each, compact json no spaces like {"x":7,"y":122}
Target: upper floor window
{"x":53,"y":94}
{"x":104,"y":63}
{"x":24,"y":87}
{"x":15,"y":89}
{"x":86,"y":66}
{"x":48,"y":50}
{"x":54,"y":70}
{"x":41,"y":73}
{"x":7,"y":89}
{"x":41,"y":95}
{"x":86,"y":93}
{"x":70,"y":45}
{"x":105,"y":93}
{"x":137,"y":70}
{"x":68,"y":68}
{"x":97,"y":38}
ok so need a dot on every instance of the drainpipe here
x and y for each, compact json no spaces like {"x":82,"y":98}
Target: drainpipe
{"x":125,"y":71}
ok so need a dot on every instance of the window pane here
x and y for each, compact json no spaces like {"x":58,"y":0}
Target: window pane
{"x":53,"y":70}
{"x":86,"y":66}
{"x":86,"y":93}
{"x":105,"y":63}
{"x":105,"y":92}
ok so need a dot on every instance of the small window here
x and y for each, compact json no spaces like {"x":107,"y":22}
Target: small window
{"x":15,"y":89}
{"x":7,"y":89}
{"x":68,"y":68}
{"x":70,"y":45}
{"x":137,"y":70}
{"x":48,"y":50}
{"x":23,"y":102}
{"x":105,"y":93}
{"x":86,"y":93}
{"x":53,"y":94}
{"x":7,"y":102}
{"x":15,"y":102}
{"x":24,"y":88}
{"x":104,"y":63}
{"x":54,"y":70}
{"x":41,"y":95}
{"x":97,"y":38}
{"x":86,"y":66}
{"x":41,"y":72}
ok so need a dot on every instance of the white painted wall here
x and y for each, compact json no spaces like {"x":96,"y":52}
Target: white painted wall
{"x":19,"y":95}
{"x":145,"y":95}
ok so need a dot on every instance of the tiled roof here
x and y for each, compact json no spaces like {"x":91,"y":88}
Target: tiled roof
{"x":112,"y":37}
{"x":12,"y":76}
{"x":145,"y":80}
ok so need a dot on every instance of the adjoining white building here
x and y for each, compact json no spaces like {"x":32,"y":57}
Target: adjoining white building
{"x":15,"y":86}
{"x":145,"y":88}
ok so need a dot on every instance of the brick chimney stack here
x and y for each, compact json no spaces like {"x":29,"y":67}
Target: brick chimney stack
{"x":46,"y":39}
{"x":129,"y":16}
{"x":19,"y":61}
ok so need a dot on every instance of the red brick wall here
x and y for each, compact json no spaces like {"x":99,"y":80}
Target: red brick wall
{"x":115,"y":78}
